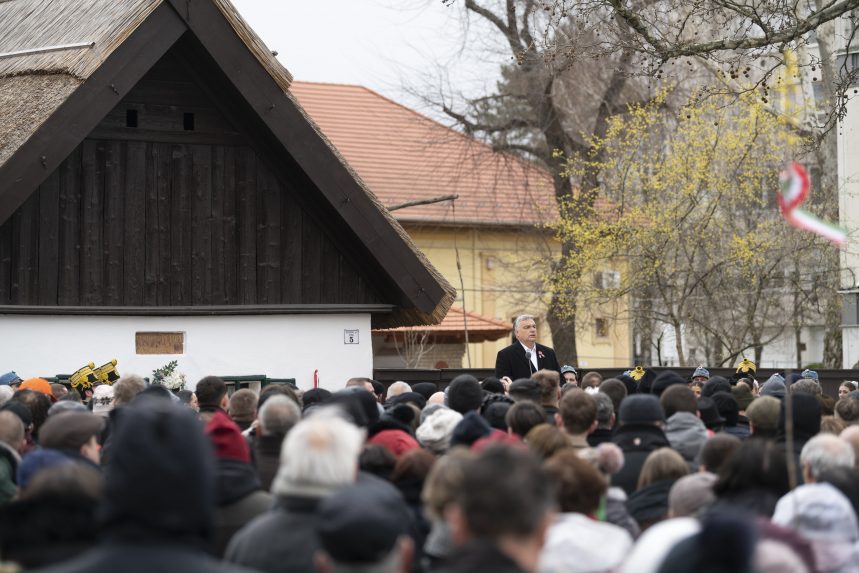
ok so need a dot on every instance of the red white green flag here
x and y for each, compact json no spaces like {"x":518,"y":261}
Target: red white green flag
{"x":795,"y":186}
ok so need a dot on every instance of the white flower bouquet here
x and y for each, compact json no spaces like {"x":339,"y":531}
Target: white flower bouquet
{"x":168,"y":377}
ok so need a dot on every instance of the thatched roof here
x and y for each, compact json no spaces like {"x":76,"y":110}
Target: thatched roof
{"x":50,"y":48}
{"x":67,"y":40}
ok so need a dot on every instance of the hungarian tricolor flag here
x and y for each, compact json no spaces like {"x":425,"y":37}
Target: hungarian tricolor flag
{"x":795,"y":186}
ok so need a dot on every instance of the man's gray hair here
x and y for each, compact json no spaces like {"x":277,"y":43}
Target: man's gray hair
{"x":397,"y":388}
{"x":278,"y":415}
{"x":520,"y":319}
{"x":126,"y":388}
{"x":318,"y":456}
{"x":605,"y":409}
{"x":806,"y":386}
{"x":824,"y":452}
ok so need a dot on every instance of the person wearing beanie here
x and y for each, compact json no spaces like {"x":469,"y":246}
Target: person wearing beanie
{"x":414,"y":398}
{"x":639,"y":432}
{"x":763,"y":415}
{"x":709,"y":413}
{"x":102,"y":400}
{"x":664,"y":380}
{"x":156,"y":511}
{"x":569,"y":375}
{"x":319,"y":457}
{"x":701,"y":374}
{"x":730,"y":411}
{"x":715,"y":384}
{"x":494,"y":410}
{"x":435,"y":431}
{"x":10,"y":379}
{"x":365,"y":527}
{"x":646,"y":380}
{"x":823,"y":516}
{"x":810,"y":375}
{"x":427,"y":389}
{"x":471,"y":428}
{"x":774,"y":386}
{"x":398,"y":442}
{"x":238,"y":494}
{"x":38,"y":385}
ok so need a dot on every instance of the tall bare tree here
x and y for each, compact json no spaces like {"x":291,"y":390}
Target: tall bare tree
{"x":578,"y":63}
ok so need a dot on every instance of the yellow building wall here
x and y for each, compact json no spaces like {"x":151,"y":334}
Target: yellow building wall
{"x":502,"y":275}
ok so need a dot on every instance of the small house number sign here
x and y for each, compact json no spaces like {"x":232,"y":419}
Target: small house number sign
{"x":350,"y":337}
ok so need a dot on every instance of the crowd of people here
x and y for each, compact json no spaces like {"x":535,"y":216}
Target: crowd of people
{"x":547,"y":474}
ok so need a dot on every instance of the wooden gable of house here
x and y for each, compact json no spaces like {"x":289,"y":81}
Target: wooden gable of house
{"x":186,"y":195}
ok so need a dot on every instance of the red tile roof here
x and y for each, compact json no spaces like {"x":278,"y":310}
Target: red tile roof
{"x":404,"y":156}
{"x":452,"y":327}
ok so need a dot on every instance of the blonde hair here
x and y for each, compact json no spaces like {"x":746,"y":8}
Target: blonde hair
{"x":662,"y":464}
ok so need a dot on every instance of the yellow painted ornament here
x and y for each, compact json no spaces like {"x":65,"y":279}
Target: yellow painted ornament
{"x":107,"y":373}
{"x":84,"y":378}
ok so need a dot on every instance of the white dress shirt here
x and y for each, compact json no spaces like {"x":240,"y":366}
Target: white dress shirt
{"x":533,"y":352}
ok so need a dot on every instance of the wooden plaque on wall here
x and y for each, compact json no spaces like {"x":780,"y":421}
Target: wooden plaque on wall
{"x":159,"y":342}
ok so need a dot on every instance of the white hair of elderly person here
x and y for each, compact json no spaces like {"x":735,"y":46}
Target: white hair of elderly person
{"x":397,"y":388}
{"x":824,"y":452}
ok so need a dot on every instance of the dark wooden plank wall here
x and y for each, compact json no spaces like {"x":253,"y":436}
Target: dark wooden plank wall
{"x":156,"y":224}
{"x":160,"y":215}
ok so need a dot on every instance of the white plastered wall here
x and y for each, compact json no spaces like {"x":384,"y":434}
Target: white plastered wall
{"x":278,"y":346}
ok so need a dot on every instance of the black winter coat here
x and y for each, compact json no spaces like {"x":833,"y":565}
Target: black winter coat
{"x":145,"y":558}
{"x":282,"y":540}
{"x":512,"y":362}
{"x":636,"y":441}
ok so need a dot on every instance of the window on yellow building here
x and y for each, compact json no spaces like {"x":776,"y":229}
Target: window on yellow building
{"x":607,"y":279}
{"x":601,"y":327}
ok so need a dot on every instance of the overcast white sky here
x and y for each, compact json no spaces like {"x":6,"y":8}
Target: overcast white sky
{"x":390,"y":46}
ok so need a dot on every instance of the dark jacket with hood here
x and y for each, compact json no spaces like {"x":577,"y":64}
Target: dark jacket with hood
{"x":266,"y":455}
{"x":636,"y":441}
{"x":238,"y":500}
{"x":158,"y":498}
{"x":480,"y":557}
{"x":600,"y":436}
{"x":687,"y":434}
{"x":806,"y":425}
{"x":281,"y":540}
{"x":238,"y":495}
{"x":650,"y":504}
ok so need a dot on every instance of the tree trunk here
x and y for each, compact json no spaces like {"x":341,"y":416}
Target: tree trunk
{"x":563,"y":332}
{"x":678,"y":344}
{"x":827,"y":159}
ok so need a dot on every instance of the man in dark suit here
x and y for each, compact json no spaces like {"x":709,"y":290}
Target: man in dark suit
{"x":524,"y":356}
